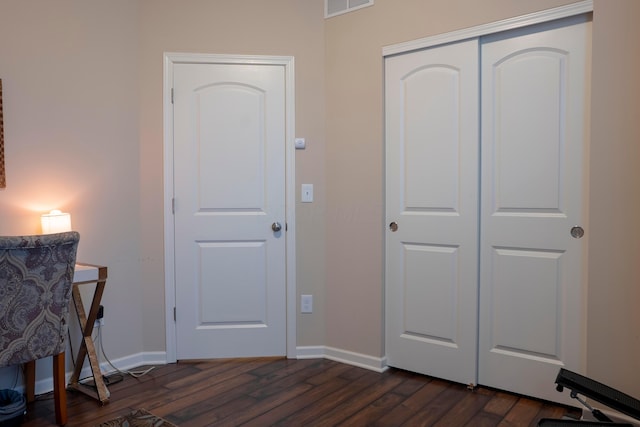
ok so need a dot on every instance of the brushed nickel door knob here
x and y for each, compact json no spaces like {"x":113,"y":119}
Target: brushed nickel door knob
{"x":577,"y":232}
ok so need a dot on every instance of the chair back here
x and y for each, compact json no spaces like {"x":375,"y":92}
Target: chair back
{"x":36,"y":273}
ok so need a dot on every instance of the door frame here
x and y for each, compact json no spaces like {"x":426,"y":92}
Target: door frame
{"x":170,"y":59}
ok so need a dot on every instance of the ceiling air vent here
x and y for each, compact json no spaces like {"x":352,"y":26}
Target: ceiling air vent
{"x":338,"y":7}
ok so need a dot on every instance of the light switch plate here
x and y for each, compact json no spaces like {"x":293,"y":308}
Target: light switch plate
{"x":306,"y":303}
{"x":307,"y":193}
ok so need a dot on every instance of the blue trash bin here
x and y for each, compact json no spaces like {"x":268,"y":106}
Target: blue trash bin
{"x":13,"y":406}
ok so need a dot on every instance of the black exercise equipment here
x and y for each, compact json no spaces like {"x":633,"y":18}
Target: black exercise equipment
{"x":614,"y":399}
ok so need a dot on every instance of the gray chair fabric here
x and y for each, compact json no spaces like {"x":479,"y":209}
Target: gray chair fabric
{"x":36,"y":275}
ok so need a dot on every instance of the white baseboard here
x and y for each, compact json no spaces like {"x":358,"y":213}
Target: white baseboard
{"x":45,"y":385}
{"x":377,"y":364}
{"x":310,"y":352}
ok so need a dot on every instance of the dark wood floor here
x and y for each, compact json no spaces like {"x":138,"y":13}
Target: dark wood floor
{"x":266,"y":392}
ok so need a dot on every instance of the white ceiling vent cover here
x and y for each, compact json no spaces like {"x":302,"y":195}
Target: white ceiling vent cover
{"x":338,"y":7}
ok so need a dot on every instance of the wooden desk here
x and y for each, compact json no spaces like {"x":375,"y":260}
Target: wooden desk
{"x":84,"y":274}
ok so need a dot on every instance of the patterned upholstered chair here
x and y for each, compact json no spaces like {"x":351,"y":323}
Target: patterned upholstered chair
{"x":36,"y":273}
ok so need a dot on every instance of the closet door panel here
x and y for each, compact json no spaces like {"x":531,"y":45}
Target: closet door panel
{"x":526,"y":296}
{"x":432,"y":197}
{"x":532,"y":319}
{"x":528,"y":131}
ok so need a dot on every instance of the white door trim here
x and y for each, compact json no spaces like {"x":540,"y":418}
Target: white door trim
{"x":572,"y":9}
{"x":169,"y":242}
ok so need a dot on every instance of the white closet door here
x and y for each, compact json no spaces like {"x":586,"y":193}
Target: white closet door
{"x":432,"y":196}
{"x":532,"y":288}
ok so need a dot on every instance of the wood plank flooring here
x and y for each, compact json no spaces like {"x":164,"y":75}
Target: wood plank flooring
{"x":282,"y":392}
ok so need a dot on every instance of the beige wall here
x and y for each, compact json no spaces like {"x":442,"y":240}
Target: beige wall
{"x":355,"y":202}
{"x":355,"y":170}
{"x":614,"y":272}
{"x":284,"y":27}
{"x":70,"y":89}
{"x":83,"y":121}
{"x":83,"y":128}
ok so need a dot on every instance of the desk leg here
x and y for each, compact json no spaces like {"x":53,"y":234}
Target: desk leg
{"x":87,"y":347}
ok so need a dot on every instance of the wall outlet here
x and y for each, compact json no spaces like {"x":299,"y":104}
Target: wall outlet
{"x":307,"y":193}
{"x":100,"y":317}
{"x":306,"y":303}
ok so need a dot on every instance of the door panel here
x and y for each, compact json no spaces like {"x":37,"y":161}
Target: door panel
{"x":431,"y":192}
{"x":534,"y":140}
{"x":246,"y":304}
{"x":229,"y":160}
{"x":431,"y":311}
{"x":230,"y":126}
{"x":532,"y":319}
{"x":527,"y":293}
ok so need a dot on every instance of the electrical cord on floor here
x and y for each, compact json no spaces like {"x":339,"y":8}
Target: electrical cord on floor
{"x":73,"y":355}
{"x":134,"y":374}
{"x":85,"y":381}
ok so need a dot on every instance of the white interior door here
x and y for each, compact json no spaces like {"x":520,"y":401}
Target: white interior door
{"x":432,"y":196}
{"x":532,"y":289}
{"x":229,"y":190}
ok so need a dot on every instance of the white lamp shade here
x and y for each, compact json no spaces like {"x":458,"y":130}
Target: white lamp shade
{"x":55,"y":222}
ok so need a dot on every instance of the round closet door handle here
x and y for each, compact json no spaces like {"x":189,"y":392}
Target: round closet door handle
{"x":577,"y":232}
{"x":393,"y":226}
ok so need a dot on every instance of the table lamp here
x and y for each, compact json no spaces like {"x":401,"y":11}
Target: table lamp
{"x":55,"y":222}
